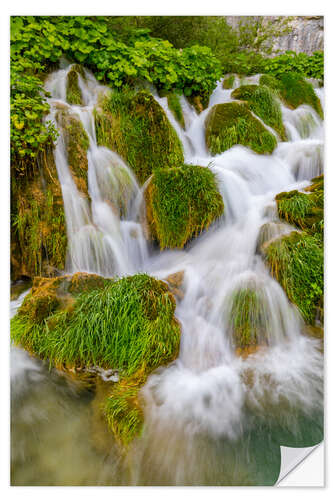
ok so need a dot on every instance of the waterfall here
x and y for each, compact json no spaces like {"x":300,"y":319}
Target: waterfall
{"x":208,"y":390}
{"x":104,"y":236}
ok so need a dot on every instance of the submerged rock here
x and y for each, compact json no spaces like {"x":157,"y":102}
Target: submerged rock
{"x":180,"y":203}
{"x":228,"y":82}
{"x":175,"y":282}
{"x":232,"y":123}
{"x":268,"y":232}
{"x":135,"y":126}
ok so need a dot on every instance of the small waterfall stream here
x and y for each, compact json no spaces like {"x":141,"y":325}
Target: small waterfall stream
{"x":208,"y":394}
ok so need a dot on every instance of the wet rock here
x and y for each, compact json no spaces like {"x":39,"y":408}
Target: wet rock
{"x":175,"y":282}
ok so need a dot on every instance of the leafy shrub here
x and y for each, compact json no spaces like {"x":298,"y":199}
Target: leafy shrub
{"x":310,"y":66}
{"x":181,"y":202}
{"x":232,"y":123}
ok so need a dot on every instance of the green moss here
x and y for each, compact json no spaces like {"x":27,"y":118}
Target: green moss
{"x":38,"y":231}
{"x":296,"y":261}
{"x":228,"y":82}
{"x":247,"y":318}
{"x":135,"y":126}
{"x":181,"y":202}
{"x":122,"y":408}
{"x":73,"y":91}
{"x":124,"y":325}
{"x":305,"y":211}
{"x":176,"y":109}
{"x":77,"y":144}
{"x":294,"y":90}
{"x":232,"y":123}
{"x":262,"y":101}
{"x":271,"y":82}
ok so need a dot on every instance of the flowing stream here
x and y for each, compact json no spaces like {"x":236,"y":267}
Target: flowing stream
{"x":211,"y":417}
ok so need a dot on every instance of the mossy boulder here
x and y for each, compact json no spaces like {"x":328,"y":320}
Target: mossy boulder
{"x":232,"y":123}
{"x":296,"y":261}
{"x":228,"y":82}
{"x":262,"y":101}
{"x":83,"y":321}
{"x":38,"y":230}
{"x":268,"y":232}
{"x":73,"y":91}
{"x":305,"y":211}
{"x":135,"y":126}
{"x":247,"y":321}
{"x":76,"y":144}
{"x":294,"y":90}
{"x":180,"y":203}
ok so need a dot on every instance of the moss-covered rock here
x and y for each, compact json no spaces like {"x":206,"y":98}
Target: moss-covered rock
{"x":83,"y":321}
{"x":228,"y":82}
{"x":247,"y":321}
{"x":73,"y":91}
{"x":262,"y":101}
{"x":294,"y":90}
{"x":176,"y":109}
{"x":76,"y":144}
{"x":296,"y":261}
{"x":180,"y":203}
{"x":135,"y":126}
{"x":38,"y":231}
{"x":233,"y":123}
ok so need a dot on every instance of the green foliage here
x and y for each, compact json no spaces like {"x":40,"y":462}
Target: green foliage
{"x":181,"y":202}
{"x":135,"y":126}
{"x":232,"y":123}
{"x":29,"y":135}
{"x":310,"y":66}
{"x":124,"y":325}
{"x":271,"y":82}
{"x":37,"y":44}
{"x":262,"y":101}
{"x":296,"y":261}
{"x":247,"y":318}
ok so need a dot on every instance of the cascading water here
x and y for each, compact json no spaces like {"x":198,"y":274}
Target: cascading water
{"x":202,"y":411}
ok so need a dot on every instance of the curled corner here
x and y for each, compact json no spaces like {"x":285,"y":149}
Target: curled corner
{"x":291,"y":458}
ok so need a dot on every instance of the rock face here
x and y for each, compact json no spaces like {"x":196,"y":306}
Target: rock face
{"x":306,"y":35}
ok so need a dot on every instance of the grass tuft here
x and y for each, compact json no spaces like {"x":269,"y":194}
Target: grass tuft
{"x":232,"y":123}
{"x":181,"y":202}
